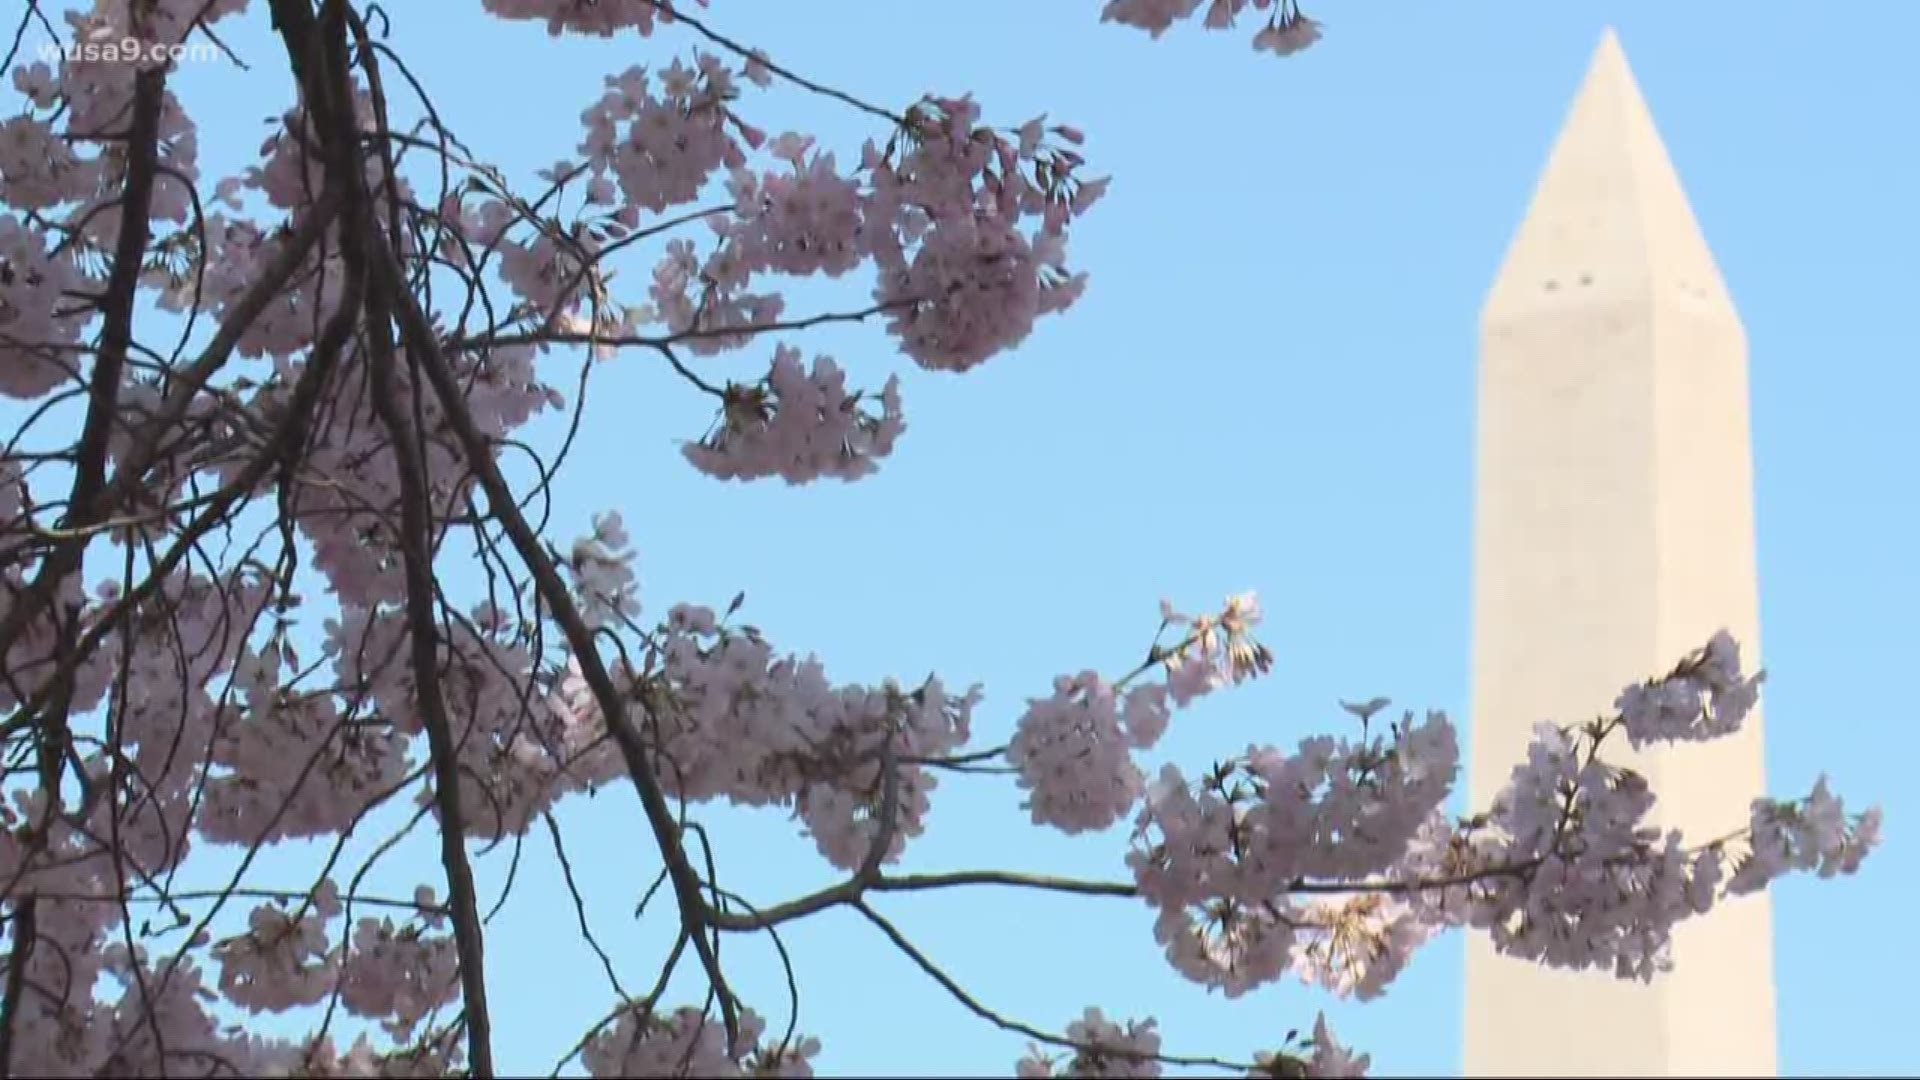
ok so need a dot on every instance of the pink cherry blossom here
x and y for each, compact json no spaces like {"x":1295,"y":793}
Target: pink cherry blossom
{"x":1102,"y":1048}
{"x":283,"y":960}
{"x":800,"y":425}
{"x":34,"y":329}
{"x":602,"y":567}
{"x":1074,"y":758}
{"x":689,"y":1044}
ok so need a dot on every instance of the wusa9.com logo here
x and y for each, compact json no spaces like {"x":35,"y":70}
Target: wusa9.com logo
{"x":103,"y":48}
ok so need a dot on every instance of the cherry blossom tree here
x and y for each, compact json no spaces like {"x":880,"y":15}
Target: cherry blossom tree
{"x":340,"y":345}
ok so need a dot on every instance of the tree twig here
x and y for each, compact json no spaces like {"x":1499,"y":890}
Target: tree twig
{"x":424,"y":345}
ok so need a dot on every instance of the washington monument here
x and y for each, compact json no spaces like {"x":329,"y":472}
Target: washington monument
{"x":1614,"y":534}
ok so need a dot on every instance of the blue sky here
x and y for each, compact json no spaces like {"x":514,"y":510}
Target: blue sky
{"x":1268,"y":385}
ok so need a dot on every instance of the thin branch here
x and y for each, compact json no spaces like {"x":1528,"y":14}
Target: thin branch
{"x":133,"y":466}
{"x":416,"y":541}
{"x":417,"y":560}
{"x":424,"y":346}
{"x":973,"y":1005}
{"x":580,"y":904}
{"x":26,"y":934}
{"x":675,"y":15}
{"x":90,"y":459}
{"x":289,"y":436}
{"x":654,"y":341}
{"x":19,"y":37}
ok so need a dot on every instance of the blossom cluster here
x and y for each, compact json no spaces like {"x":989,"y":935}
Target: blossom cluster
{"x":1704,"y":698}
{"x":1101,"y":1048}
{"x":1218,"y":859}
{"x":1285,"y":30}
{"x":1563,"y":870}
{"x":602,"y":568}
{"x":34,"y":332}
{"x":690,"y":1043}
{"x":735,"y":720}
{"x":1074,"y":751}
{"x":799,"y":425}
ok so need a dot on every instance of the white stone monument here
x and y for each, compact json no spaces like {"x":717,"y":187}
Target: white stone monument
{"x":1614,"y":534}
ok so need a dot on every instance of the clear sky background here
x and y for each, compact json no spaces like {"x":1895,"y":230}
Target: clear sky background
{"x":1269,"y":385}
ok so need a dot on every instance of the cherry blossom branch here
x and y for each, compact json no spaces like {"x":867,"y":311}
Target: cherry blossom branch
{"x":786,"y":960}
{"x":133,"y":467}
{"x":850,"y":890}
{"x":116,"y":334}
{"x":26,"y":936}
{"x":418,"y":565}
{"x":1040,"y":882}
{"x":580,"y":904}
{"x":973,"y":1005}
{"x":655,"y":341}
{"x":136,"y":203}
{"x":116,"y":305}
{"x":353,"y":889}
{"x":959,"y":762}
{"x":643,"y":1005}
{"x":425,"y":347}
{"x":288,"y":437}
{"x":587,"y":267}
{"x":673,"y":14}
{"x":19,"y":36}
{"x":416,"y":542}
{"x":681,"y":369}
{"x":171,"y":898}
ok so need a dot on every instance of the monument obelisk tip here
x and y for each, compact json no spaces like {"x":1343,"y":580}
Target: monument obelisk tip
{"x":1609,"y":218}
